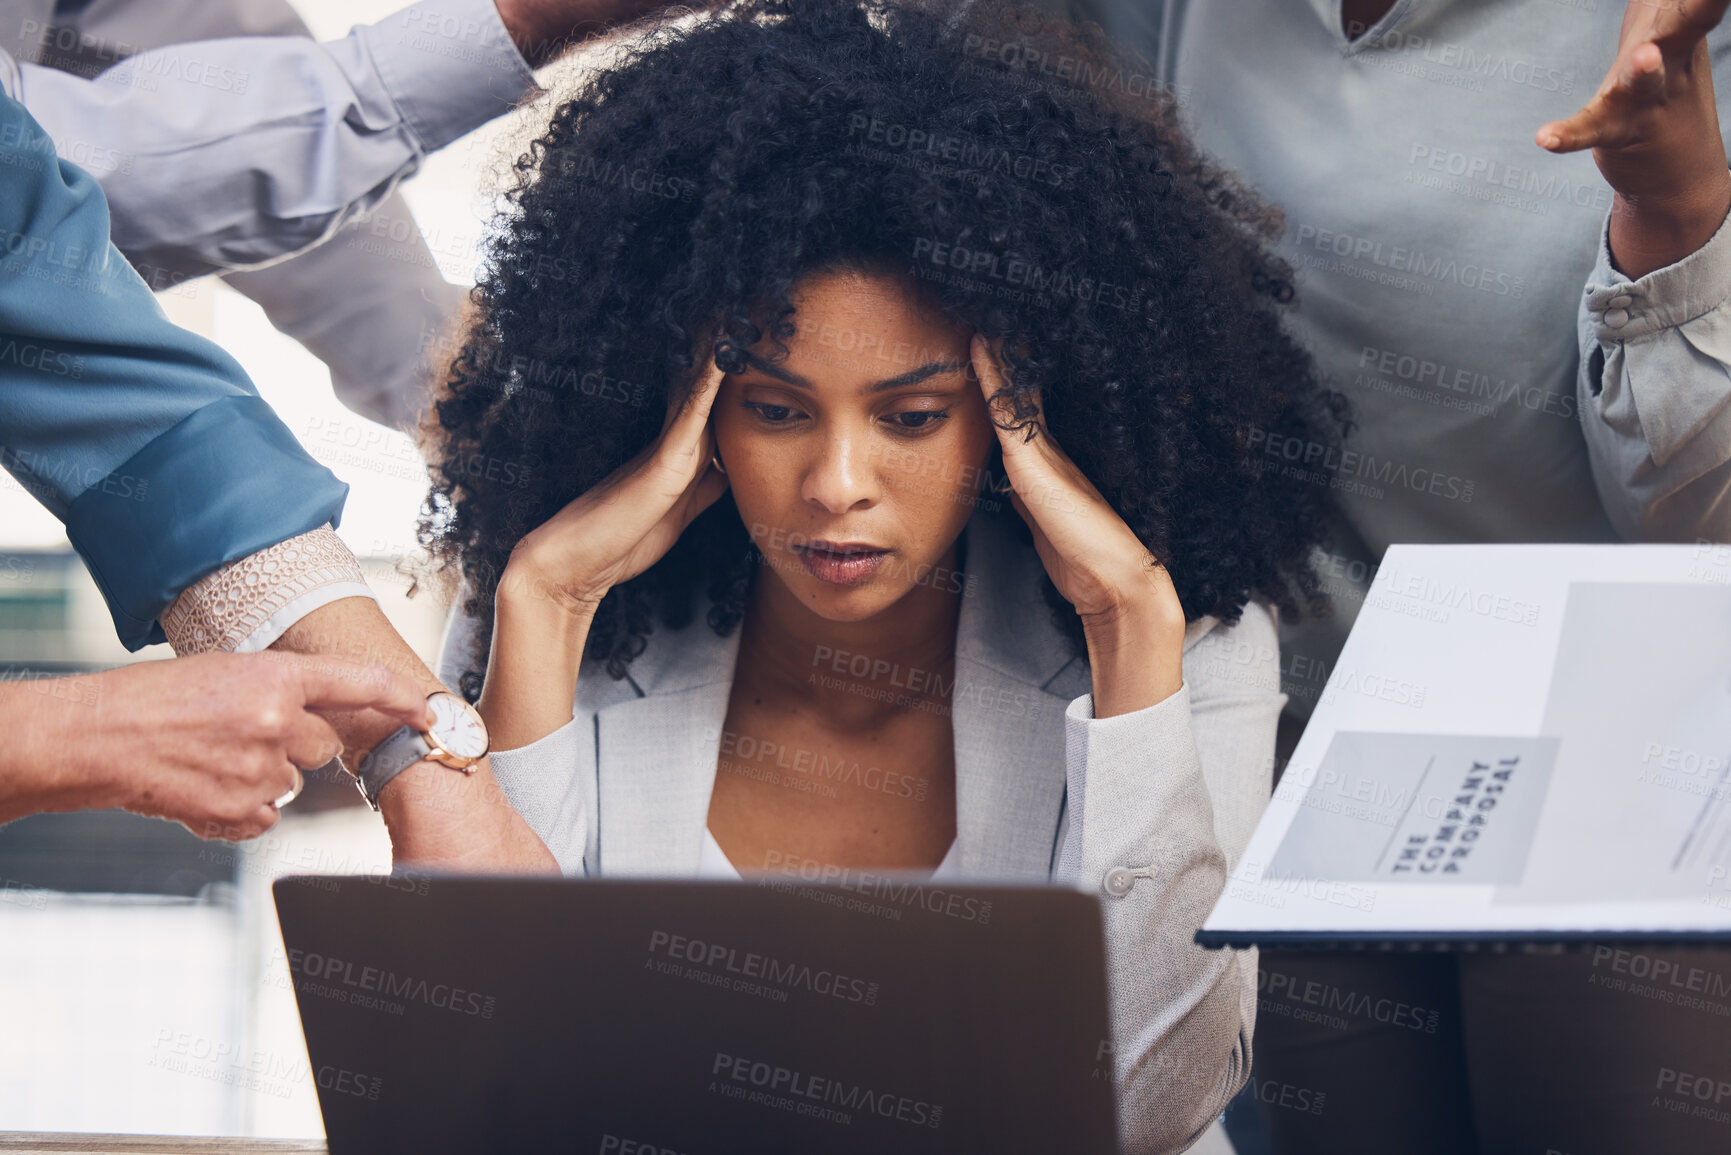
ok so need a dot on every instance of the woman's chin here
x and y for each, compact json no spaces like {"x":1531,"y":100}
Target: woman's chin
{"x":847,"y":603}
{"x":835,"y":602}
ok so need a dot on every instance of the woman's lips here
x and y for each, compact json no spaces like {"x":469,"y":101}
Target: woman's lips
{"x":841,"y":568}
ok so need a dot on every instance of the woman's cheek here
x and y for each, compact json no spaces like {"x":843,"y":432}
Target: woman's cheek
{"x":759,"y":519}
{"x":894,"y":461}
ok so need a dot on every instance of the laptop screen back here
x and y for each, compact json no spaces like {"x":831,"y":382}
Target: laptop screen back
{"x":696,"y":1018}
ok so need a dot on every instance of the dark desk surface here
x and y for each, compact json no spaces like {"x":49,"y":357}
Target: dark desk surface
{"x":62,"y":1143}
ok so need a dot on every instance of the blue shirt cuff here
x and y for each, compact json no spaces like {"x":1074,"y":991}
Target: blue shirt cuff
{"x":224,"y":483}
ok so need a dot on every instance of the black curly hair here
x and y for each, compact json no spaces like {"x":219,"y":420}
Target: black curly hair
{"x":1007,"y":161}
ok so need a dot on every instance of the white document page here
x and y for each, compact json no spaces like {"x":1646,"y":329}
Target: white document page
{"x":1517,"y":742}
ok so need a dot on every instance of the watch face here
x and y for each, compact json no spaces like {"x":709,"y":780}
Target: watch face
{"x":457,"y":727}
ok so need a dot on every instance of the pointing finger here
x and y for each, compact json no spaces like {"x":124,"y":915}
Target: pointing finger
{"x":335,"y":684}
{"x":311,"y":742}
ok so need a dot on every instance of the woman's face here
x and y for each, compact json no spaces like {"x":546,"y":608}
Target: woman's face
{"x":856,"y":460}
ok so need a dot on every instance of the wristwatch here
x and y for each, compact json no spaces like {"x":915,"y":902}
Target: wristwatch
{"x":458,"y":739}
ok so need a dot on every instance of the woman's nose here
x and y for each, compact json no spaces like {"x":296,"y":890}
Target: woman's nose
{"x":842,"y":477}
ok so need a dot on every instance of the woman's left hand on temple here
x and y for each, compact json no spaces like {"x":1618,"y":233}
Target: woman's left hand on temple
{"x":1095,"y":559}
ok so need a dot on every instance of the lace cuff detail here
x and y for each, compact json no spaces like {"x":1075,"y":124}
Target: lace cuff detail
{"x":226,"y":610}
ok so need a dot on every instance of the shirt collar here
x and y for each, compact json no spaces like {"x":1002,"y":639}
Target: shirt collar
{"x":1402,"y":11}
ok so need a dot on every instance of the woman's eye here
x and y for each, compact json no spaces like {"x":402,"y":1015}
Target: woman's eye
{"x":773,"y":414}
{"x":918,"y":420}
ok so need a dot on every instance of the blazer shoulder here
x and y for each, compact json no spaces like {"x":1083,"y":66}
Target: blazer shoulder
{"x":1243,"y":657}
{"x":597,"y":689}
{"x":457,"y":652}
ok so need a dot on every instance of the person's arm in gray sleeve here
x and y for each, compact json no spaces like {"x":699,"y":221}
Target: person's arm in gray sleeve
{"x":1655,"y":373}
{"x":223,"y":154}
{"x":1655,"y":394}
{"x":371,"y":304}
{"x":147,"y":441}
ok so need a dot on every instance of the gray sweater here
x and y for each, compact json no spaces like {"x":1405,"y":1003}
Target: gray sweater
{"x":1454,"y":278}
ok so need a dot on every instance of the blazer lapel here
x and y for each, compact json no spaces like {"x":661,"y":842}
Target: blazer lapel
{"x":1009,"y":728}
{"x":657,"y":753}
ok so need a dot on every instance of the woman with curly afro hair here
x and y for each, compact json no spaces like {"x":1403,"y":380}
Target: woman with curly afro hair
{"x":854,"y":464}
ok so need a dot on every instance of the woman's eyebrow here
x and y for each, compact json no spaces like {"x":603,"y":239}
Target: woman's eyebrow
{"x":920,"y":374}
{"x":911,"y":377}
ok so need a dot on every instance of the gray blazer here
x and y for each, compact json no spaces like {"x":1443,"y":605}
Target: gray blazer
{"x":1145,"y":809}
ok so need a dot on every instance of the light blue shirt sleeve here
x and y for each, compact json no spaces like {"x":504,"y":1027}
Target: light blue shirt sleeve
{"x":147,"y":441}
{"x":370,"y":301}
{"x":224,"y":154}
{"x":1655,"y":379}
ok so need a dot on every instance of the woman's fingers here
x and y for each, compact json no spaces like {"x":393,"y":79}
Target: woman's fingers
{"x":991,"y":377}
{"x":626,"y":522}
{"x":1014,"y":442}
{"x":688,"y":415}
{"x":1092,"y":556}
{"x":685,"y":447}
{"x":1038,"y":469}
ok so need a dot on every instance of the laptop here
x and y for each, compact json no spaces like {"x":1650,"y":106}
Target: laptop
{"x":649,"y":1017}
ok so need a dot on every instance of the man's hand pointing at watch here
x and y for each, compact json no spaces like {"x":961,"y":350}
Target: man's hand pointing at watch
{"x":438,"y":817}
{"x":209,"y":741}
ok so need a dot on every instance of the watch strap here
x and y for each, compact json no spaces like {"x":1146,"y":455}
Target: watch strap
{"x":389,"y":759}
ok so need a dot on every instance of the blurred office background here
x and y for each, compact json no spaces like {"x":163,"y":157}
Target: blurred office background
{"x":141,"y":972}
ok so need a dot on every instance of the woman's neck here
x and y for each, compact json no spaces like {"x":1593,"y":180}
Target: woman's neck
{"x":851,"y":673}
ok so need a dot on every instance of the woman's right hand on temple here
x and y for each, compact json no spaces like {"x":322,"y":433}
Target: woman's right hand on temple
{"x":629,"y":520}
{"x":560,"y":571}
